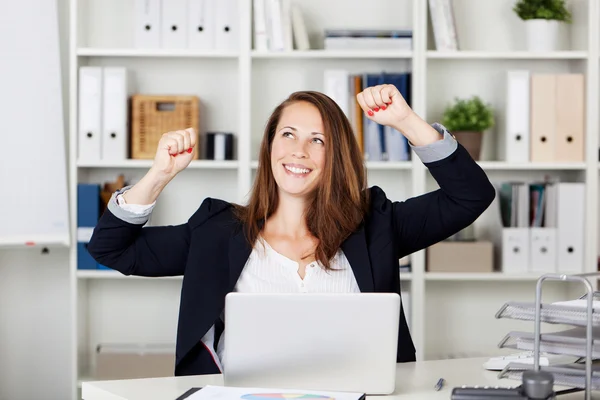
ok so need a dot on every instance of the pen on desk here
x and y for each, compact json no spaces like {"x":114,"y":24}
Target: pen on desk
{"x":439,"y":384}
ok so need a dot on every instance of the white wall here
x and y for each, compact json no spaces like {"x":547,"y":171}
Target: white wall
{"x":34,"y":305}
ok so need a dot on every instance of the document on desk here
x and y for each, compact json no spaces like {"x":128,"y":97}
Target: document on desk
{"x":229,"y":393}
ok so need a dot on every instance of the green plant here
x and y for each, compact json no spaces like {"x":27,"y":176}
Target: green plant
{"x":468,"y":115}
{"x":542,"y":9}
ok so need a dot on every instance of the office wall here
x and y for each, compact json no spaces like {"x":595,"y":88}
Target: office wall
{"x":35,"y":303}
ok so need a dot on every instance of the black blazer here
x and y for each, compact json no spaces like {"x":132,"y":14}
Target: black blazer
{"x":210,"y":250}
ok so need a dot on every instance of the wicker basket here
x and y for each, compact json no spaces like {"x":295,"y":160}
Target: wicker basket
{"x":152,"y":116}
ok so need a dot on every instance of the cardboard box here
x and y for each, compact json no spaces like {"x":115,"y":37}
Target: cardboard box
{"x":134,"y":361}
{"x":450,"y":256}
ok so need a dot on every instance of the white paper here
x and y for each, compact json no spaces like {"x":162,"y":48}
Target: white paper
{"x":229,"y":393}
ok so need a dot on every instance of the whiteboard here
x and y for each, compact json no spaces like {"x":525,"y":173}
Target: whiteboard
{"x":33,"y":174}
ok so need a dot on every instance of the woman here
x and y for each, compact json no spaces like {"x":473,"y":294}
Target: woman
{"x":311,"y":224}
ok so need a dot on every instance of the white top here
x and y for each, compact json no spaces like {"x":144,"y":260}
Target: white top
{"x":267,"y":271}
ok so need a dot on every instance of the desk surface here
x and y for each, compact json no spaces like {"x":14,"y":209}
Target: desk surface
{"x":414,"y":381}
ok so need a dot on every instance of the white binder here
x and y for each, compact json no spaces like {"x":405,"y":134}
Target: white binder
{"x":90,"y":113}
{"x":147,"y":23}
{"x":543,"y":249}
{"x":517,"y":116}
{"x":115,"y":96}
{"x":261,"y":35}
{"x":515,"y":250}
{"x":174,"y":18}
{"x":337,"y":86}
{"x":571,"y":224}
{"x":201,"y":24}
{"x":515,"y":235}
{"x":227,"y":25}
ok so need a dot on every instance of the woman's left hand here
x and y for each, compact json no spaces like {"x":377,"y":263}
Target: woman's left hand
{"x":384,"y":104}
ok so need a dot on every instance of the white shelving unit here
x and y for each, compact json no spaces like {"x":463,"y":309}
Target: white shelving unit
{"x":452,"y":314}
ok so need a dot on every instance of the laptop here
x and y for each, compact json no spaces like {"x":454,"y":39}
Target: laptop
{"x":332,"y":341}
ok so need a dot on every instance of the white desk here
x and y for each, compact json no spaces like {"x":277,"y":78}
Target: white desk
{"x":414,"y":381}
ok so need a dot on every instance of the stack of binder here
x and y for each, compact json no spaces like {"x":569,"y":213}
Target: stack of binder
{"x":545,"y":117}
{"x":572,"y":341}
{"x":104,"y":94}
{"x":543,"y":227}
{"x":186,"y":24}
{"x":376,"y":142}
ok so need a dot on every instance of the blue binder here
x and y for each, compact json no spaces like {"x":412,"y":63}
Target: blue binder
{"x":88,"y":213}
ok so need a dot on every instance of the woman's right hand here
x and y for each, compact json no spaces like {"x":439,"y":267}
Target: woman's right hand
{"x":174,"y":152}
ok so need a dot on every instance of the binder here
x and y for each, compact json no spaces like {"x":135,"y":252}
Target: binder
{"x":570,"y":214}
{"x":274,"y":25}
{"x":543,"y":231}
{"x":201,"y":24}
{"x":174,"y":18}
{"x":115,"y":96}
{"x":543,"y":250}
{"x":261,"y":35}
{"x":543,"y":125}
{"x":569,"y":116}
{"x":219,"y":146}
{"x":517,"y":138}
{"x":514,"y":203}
{"x":90,"y":113}
{"x":88,"y":213}
{"x":147,"y":23}
{"x":226,"y":19}
{"x":336,"y":83}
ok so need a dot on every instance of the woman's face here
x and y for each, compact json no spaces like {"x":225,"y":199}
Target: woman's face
{"x":298,"y":150}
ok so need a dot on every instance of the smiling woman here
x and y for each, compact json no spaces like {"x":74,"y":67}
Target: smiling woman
{"x":311,"y":225}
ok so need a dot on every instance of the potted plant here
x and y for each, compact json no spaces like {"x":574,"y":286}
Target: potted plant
{"x":467,"y":119}
{"x":542,"y":22}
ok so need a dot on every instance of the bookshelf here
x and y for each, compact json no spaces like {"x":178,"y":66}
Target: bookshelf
{"x":239,"y":89}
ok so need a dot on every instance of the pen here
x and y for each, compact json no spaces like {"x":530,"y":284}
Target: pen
{"x":439,"y":384}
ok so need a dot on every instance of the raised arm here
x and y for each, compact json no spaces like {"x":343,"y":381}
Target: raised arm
{"x":121,"y":242}
{"x":465,"y":191}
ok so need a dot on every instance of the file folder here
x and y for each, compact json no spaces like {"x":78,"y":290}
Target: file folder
{"x":90,"y":113}
{"x":226,"y":19}
{"x":570,"y":216}
{"x":147,"y":23}
{"x":115,"y":96}
{"x":201,"y":24}
{"x":173,"y":25}
{"x":517,"y":140}
{"x":543,"y":124}
{"x":570,"y":118}
{"x":88,"y":213}
{"x":543,"y":249}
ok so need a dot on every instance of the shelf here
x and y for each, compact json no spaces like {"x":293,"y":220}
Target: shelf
{"x":506,"y":55}
{"x":111,"y":274}
{"x":468,"y":276}
{"x":126,"y":52}
{"x":195,"y":164}
{"x":333,"y":54}
{"x":509,"y":166}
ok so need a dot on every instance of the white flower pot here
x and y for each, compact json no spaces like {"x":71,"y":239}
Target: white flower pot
{"x":542,"y":35}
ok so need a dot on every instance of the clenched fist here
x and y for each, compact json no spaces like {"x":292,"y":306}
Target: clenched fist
{"x":384,"y":104}
{"x":174,"y":152}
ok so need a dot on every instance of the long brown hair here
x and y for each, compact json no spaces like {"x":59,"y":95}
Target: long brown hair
{"x":339,"y":203}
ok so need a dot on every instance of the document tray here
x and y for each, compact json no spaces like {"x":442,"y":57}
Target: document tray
{"x":550,"y":313}
{"x":571,"y":375}
{"x":570,"y":342}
